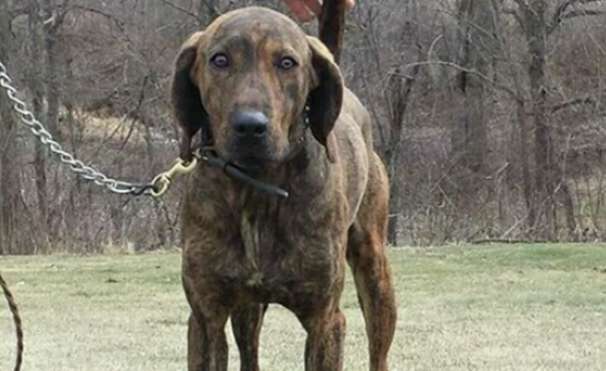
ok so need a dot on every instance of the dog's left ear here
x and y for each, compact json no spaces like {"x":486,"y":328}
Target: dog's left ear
{"x":326,"y":97}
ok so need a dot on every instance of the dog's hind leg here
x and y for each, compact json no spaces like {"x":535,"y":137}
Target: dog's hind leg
{"x":366,"y":257}
{"x":246,"y":323}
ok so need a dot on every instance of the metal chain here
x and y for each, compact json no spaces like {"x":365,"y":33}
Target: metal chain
{"x":81,"y":169}
{"x":12,"y":305}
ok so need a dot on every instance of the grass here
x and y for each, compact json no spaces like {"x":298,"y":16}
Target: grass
{"x":526,"y":307}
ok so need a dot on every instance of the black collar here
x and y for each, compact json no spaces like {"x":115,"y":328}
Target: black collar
{"x":210,"y":156}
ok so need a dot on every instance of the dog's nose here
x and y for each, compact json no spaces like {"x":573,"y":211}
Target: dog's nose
{"x":250,"y":124}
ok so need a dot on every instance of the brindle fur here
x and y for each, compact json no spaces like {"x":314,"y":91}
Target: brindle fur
{"x":244,"y":249}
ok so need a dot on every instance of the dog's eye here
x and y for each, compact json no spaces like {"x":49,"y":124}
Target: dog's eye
{"x":287,"y":63}
{"x":220,"y":60}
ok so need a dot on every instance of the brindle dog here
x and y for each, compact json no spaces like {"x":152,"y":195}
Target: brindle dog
{"x":256,"y":83}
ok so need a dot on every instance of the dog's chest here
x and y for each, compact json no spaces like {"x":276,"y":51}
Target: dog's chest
{"x":266,"y":244}
{"x":251,"y":231}
{"x":283,"y":252}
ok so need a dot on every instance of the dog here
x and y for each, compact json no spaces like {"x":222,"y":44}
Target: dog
{"x":272,"y":102}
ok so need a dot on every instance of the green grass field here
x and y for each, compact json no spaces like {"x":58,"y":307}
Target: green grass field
{"x":522,"y":307}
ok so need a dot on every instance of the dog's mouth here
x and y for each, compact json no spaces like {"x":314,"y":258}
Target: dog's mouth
{"x":251,"y":164}
{"x":210,"y":155}
{"x":251,"y":158}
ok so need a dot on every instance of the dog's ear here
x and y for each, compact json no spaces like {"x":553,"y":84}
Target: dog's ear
{"x":326,"y":97}
{"x":185,"y":95}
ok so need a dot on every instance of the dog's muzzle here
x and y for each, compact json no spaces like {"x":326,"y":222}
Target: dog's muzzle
{"x":250,"y":125}
{"x":250,"y":138}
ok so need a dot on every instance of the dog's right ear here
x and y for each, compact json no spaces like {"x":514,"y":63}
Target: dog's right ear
{"x":185,"y":95}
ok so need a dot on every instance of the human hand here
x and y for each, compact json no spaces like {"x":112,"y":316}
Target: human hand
{"x":306,"y":10}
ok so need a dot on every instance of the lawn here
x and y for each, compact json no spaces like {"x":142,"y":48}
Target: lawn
{"x":494,"y":307}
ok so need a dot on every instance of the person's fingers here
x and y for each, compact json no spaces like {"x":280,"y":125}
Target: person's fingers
{"x":307,"y":10}
{"x":314,"y":5}
{"x":300,"y":10}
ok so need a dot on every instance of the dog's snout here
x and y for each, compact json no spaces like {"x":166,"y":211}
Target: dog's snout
{"x":250,"y":124}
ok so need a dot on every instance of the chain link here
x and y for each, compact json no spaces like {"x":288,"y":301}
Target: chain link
{"x":81,"y":169}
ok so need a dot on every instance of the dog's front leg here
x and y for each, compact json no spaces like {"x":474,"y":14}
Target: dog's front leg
{"x":324,"y":344}
{"x":246,"y":324}
{"x":206,"y":343}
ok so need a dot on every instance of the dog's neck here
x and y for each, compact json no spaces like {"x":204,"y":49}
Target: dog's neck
{"x":299,"y":132}
{"x":303,"y":175}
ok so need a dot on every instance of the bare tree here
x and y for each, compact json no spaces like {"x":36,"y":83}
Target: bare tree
{"x":10,"y":182}
{"x":476,"y":23}
{"x":538,"y":20}
{"x":488,"y":114}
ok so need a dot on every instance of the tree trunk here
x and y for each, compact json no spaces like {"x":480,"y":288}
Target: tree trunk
{"x":469,"y":140}
{"x":522,"y":151}
{"x":527,"y":183}
{"x":536,"y":37}
{"x":397,"y":104}
{"x":36,"y":88}
{"x":10,"y":184}
{"x":53,"y":88}
{"x":399,"y":94}
{"x":51,"y":59}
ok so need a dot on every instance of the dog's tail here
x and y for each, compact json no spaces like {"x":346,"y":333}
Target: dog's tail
{"x":332,"y":26}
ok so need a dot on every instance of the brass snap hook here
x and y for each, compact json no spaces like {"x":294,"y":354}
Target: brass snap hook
{"x":162,"y":181}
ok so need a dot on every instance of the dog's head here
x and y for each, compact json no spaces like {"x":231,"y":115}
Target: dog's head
{"x":251,"y":79}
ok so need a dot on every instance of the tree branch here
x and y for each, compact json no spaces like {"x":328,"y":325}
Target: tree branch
{"x":182,"y":10}
{"x":563,"y":12}
{"x":516,"y":15}
{"x":212,"y":9}
{"x":580,"y":13}
{"x":118,"y":22}
{"x":483,"y":77}
{"x":572,"y":102}
{"x":16,"y":12}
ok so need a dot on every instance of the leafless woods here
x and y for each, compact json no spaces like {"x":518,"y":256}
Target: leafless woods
{"x":489,"y":115}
